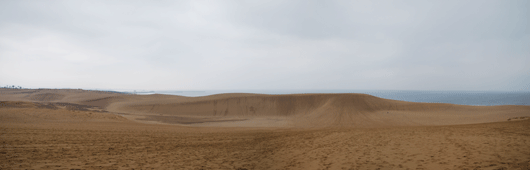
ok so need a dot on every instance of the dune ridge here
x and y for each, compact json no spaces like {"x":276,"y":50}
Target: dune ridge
{"x":327,"y":110}
{"x":99,"y":130}
{"x":294,"y":110}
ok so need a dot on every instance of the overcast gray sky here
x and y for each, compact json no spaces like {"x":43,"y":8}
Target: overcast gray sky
{"x":215,"y":45}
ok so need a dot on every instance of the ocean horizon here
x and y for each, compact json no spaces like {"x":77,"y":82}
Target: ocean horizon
{"x":475,"y":98}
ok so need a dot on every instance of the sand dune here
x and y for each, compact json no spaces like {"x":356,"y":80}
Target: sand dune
{"x":318,"y":110}
{"x":13,"y":112}
{"x":49,"y":136}
{"x":76,"y":129}
{"x":259,"y":110}
{"x":52,"y":95}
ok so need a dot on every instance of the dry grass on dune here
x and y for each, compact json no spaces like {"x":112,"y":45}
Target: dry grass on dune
{"x":52,"y":95}
{"x":59,"y":112}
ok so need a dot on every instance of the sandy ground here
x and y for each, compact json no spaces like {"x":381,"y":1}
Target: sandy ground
{"x":113,"y":131}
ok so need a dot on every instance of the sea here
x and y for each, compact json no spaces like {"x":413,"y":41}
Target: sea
{"x":475,"y":98}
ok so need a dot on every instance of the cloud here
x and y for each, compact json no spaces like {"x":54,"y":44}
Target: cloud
{"x":198,"y":45}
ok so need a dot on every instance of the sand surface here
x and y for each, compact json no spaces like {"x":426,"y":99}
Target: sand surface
{"x":78,"y":129}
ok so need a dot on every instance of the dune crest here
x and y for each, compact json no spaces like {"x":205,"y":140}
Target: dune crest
{"x":88,"y":130}
{"x":324,"y":110}
{"x":260,"y":110}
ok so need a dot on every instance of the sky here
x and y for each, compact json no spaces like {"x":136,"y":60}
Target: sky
{"x":297,"y":44}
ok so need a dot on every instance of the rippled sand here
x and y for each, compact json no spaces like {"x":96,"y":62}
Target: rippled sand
{"x":86,"y":133}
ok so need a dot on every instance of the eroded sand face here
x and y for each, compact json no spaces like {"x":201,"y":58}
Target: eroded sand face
{"x":86,"y":134}
{"x":257,"y":110}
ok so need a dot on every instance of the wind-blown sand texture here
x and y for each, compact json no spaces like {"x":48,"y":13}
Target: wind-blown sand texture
{"x":78,"y":129}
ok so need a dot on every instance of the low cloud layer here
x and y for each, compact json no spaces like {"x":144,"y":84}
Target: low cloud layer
{"x":203,"y":45}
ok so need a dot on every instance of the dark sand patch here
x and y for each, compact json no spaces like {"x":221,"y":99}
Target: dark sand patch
{"x":72,"y":106}
{"x":185,"y":120}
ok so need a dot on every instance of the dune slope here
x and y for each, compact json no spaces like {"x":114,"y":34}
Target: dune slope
{"x":259,"y":110}
{"x":325,"y":110}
